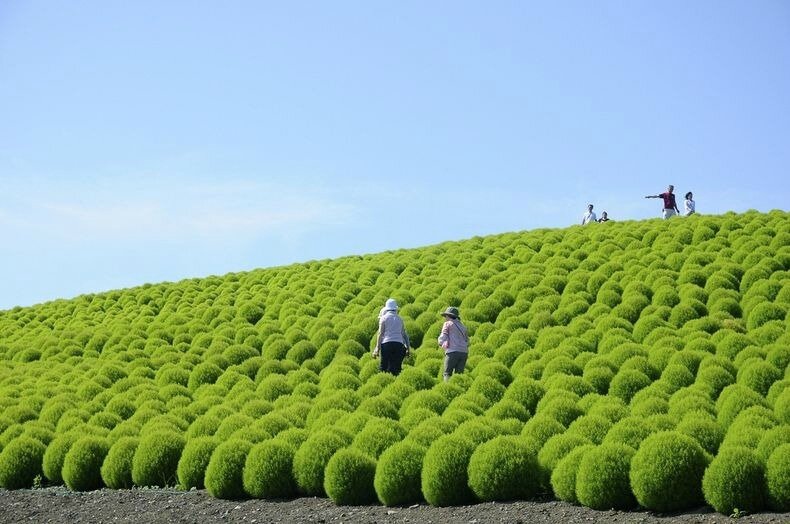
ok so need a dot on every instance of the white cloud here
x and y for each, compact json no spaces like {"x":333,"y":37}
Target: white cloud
{"x":164,"y":208}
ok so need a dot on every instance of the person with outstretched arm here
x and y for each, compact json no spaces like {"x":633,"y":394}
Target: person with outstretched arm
{"x":670,"y":206}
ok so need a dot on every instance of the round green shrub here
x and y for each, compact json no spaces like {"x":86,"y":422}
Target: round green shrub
{"x":777,"y":478}
{"x":20,"y":462}
{"x":195,"y":457}
{"x":504,"y":468}
{"x":444,"y":476}
{"x":55,"y":455}
{"x":156,"y":459}
{"x":592,"y":427}
{"x":735,"y":479}
{"x":541,"y":428}
{"x":268,"y":470}
{"x":563,"y":478}
{"x":348,"y":477}
{"x":772,"y":439}
{"x":706,"y":431}
{"x":602,"y":479}
{"x":377,"y":435}
{"x":734,"y":399}
{"x":82,"y":465}
{"x":398,"y":470}
{"x":555,"y":449}
{"x":116,"y":470}
{"x":224,"y":474}
{"x":311,"y":459}
{"x":759,"y":376}
{"x":764,"y":313}
{"x":666,"y":472}
{"x":626,"y":384}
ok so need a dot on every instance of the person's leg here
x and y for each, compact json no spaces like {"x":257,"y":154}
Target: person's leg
{"x":384,"y":364}
{"x":447,"y":369}
{"x":396,"y":361}
{"x":460,"y":362}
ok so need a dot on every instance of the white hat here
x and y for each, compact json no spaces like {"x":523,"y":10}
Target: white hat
{"x":391,"y":305}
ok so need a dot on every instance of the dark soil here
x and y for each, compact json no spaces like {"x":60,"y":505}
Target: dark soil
{"x":59,"y":505}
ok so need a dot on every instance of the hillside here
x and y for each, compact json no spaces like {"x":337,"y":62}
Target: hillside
{"x":614,"y":365}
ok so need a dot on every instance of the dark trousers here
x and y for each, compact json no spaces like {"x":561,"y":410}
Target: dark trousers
{"x":392,"y":354}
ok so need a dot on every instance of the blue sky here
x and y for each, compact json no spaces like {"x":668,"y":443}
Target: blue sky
{"x":153,"y":141}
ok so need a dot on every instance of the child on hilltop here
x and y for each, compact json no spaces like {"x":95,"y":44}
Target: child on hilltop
{"x":688,"y":205}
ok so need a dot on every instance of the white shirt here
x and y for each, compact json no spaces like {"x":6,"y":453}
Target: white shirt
{"x":589,"y":217}
{"x":688,"y":206}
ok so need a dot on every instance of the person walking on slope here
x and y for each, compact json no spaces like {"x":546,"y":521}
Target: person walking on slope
{"x":670,"y":206}
{"x":455,"y":342}
{"x":688,"y":204}
{"x":392,"y":343}
{"x":589,"y":216}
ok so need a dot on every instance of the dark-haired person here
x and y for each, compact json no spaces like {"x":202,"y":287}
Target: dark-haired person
{"x":689,"y":207}
{"x":604,"y":217}
{"x":589,"y":216}
{"x":454,"y":339}
{"x":670,"y":206}
{"x":392,"y":343}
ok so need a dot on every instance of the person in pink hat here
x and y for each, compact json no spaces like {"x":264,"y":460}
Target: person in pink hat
{"x":454,"y":339}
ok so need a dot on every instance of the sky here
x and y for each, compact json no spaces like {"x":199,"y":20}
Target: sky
{"x":151,"y":141}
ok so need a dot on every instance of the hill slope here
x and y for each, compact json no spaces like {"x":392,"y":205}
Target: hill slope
{"x":596,"y":352}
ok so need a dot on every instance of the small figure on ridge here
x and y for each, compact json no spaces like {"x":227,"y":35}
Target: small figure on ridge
{"x":589,"y":216}
{"x":688,"y":205}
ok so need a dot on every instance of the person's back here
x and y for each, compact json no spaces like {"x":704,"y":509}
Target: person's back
{"x":393,"y":328}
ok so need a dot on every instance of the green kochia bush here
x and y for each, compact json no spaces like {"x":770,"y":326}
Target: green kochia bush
{"x":563,"y":478}
{"x":505,"y":468}
{"x":397,"y":479}
{"x":777,"y":476}
{"x":348,"y":477}
{"x":268,"y":471}
{"x":82,"y":465}
{"x":156,"y":459}
{"x":666,"y":472}
{"x":312,"y":457}
{"x":20,"y":462}
{"x":55,"y":455}
{"x":116,"y":470}
{"x":602,"y":480}
{"x":224,"y":474}
{"x":195,"y":457}
{"x":444,"y":472}
{"x":735,"y":479}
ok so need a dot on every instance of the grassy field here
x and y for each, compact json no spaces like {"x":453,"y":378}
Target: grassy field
{"x":615,"y":365}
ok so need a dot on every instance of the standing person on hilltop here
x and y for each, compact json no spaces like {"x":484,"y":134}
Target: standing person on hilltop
{"x":604,"y":217}
{"x":670,"y":206}
{"x":455,"y":342}
{"x":589,"y":216}
{"x":392,"y":343}
{"x":689,"y":207}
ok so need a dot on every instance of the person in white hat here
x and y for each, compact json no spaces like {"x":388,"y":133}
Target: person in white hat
{"x":392,"y":343}
{"x":454,"y":339}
